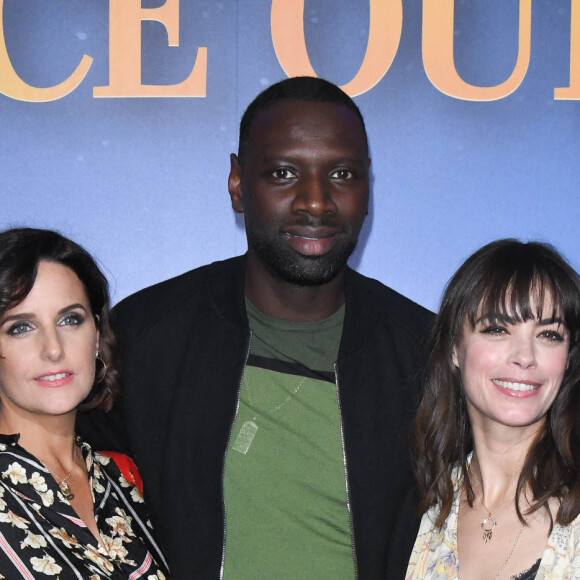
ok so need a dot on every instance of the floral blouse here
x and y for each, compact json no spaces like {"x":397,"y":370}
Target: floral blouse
{"x":41,"y":535}
{"x":434,"y":555}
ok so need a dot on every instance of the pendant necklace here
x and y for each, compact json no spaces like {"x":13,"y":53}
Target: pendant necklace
{"x":250,"y":428}
{"x":64,"y":486}
{"x":490,"y":522}
{"x":62,"y":482}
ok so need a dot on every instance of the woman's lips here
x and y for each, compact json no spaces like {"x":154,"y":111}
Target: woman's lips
{"x":55,"y":379}
{"x":517,"y":388}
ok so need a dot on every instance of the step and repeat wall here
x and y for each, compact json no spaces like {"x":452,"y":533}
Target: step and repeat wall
{"x":117,"y":119}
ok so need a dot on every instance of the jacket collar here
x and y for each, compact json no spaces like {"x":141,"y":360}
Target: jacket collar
{"x":227,"y":281}
{"x":227,"y":285}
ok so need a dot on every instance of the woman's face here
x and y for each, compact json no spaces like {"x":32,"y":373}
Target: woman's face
{"x":48,"y":344}
{"x":511,"y":373}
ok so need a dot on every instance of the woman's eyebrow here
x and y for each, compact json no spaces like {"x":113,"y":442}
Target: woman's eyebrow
{"x":17,"y":316}
{"x":72,"y":307}
{"x":547,"y":321}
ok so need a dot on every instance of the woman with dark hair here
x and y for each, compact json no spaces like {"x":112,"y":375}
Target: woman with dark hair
{"x":65,"y":511}
{"x":497,"y":434}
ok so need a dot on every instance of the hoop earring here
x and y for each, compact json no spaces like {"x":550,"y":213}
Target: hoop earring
{"x":100,"y":376}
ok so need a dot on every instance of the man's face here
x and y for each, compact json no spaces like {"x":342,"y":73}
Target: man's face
{"x":303,"y":189}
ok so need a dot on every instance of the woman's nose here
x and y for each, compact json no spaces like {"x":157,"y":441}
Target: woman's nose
{"x":52,"y":347}
{"x":523,"y":352}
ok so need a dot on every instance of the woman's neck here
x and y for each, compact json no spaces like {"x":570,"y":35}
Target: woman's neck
{"x":498,"y":458}
{"x":495,"y":468}
{"x":51,"y":439}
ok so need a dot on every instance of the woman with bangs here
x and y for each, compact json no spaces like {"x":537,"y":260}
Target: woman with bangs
{"x":497,"y":434}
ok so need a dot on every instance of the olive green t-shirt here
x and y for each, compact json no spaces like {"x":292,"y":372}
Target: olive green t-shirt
{"x":285,"y":488}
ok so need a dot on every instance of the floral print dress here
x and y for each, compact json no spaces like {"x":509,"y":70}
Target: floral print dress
{"x":434,"y":555}
{"x":41,"y":535}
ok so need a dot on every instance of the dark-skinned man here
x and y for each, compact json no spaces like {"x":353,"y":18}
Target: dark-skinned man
{"x":268,"y":397}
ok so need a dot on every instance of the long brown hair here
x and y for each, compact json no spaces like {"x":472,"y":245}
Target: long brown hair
{"x":505,"y":280}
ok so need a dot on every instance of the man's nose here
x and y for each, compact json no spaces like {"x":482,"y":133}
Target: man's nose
{"x":315,"y":196}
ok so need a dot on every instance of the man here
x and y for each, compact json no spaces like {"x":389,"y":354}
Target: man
{"x":268,"y":397}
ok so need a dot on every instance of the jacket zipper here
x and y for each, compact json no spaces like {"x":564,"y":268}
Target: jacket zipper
{"x":224,"y":460}
{"x":348,"y":498}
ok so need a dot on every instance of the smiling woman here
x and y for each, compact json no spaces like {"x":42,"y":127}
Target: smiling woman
{"x":63,"y":508}
{"x":496,"y":435}
{"x":512,"y":369}
{"x":47,"y":342}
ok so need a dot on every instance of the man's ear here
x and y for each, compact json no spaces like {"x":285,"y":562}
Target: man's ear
{"x":235,"y":184}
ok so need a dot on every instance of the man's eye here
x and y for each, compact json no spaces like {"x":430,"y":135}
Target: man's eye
{"x":342,"y":174}
{"x":19,"y":328}
{"x":283,"y":173}
{"x":72,"y":319}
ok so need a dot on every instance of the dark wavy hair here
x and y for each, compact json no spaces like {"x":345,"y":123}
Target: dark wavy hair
{"x":309,"y":89}
{"x":21,"y":250}
{"x":506,"y":280}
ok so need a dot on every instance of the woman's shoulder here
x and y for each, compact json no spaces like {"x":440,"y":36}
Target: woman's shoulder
{"x":122,"y":470}
{"x":562,"y":553}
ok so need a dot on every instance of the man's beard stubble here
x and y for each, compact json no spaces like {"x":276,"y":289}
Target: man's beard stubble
{"x":303,"y":270}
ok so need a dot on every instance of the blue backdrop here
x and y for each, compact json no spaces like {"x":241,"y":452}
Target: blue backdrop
{"x":142,"y":181}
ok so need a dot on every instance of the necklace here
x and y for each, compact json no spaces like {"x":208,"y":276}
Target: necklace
{"x":511,"y":552}
{"x":490,"y":522}
{"x":250,"y":428}
{"x":64,"y":486}
{"x":269,"y":335}
{"x":62,"y":481}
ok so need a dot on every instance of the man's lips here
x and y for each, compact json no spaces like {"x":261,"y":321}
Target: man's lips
{"x":311,"y":241}
{"x":55,"y":379}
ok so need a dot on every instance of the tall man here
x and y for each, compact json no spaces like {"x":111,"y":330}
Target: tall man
{"x":268,"y":397}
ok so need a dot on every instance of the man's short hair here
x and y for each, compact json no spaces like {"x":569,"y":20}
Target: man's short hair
{"x":294,"y":89}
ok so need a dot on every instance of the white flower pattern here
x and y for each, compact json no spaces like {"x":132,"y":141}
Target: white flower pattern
{"x":16,"y":473}
{"x":46,"y":565}
{"x":135,"y":494}
{"x":28,"y":493}
{"x":33,"y":540}
{"x":434,"y":555}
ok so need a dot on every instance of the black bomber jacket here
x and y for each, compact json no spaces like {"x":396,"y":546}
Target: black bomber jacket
{"x":183,"y":347}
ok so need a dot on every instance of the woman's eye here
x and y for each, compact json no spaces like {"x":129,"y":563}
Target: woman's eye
{"x":72,"y":319}
{"x":552,"y":335}
{"x":19,"y":328}
{"x":494,"y":330}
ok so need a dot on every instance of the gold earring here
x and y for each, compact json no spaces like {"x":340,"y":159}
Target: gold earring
{"x":100,"y":377}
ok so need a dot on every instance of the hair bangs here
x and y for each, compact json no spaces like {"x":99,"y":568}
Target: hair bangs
{"x":528,"y":295}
